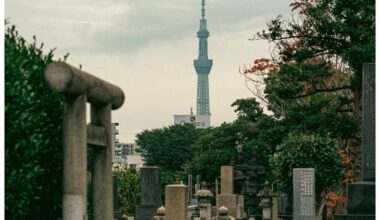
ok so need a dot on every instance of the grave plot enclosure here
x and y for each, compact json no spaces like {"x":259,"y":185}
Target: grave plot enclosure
{"x":79,"y":88}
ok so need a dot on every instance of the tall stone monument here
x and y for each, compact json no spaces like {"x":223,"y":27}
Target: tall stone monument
{"x":226,"y":197}
{"x":368,"y":124}
{"x":150,"y":193}
{"x":361,"y":194}
{"x":304,"y":194}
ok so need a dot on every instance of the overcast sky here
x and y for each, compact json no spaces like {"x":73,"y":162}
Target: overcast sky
{"x":147,"y":48}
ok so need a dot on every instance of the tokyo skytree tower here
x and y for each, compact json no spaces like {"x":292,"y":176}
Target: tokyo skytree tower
{"x":203,"y":66}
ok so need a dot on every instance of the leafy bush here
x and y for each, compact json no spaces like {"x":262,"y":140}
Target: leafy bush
{"x":309,"y":151}
{"x":128,"y":189}
{"x":33,"y":133}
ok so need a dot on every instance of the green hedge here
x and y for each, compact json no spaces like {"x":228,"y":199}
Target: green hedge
{"x":33,"y":133}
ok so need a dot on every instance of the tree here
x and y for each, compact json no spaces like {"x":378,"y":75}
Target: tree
{"x":215,"y":148}
{"x":319,"y":52}
{"x":33,"y":133}
{"x":128,"y":189}
{"x":169,"y":147}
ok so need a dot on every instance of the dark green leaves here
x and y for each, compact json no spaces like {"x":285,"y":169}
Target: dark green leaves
{"x":33,"y":133}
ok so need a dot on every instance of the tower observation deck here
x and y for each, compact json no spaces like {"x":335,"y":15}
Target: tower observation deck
{"x":203,"y":66}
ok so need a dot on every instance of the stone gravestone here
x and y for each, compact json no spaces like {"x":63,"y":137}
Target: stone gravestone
{"x":368,"y":126}
{"x":361,"y":195}
{"x":304,"y":194}
{"x":176,"y":202}
{"x":150,"y":193}
{"x":226,"y":197}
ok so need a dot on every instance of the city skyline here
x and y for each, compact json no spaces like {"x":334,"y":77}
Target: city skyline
{"x":147,"y":49}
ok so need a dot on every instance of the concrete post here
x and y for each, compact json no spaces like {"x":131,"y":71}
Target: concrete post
{"x":75,"y":158}
{"x":176,"y":202}
{"x":102,"y":166}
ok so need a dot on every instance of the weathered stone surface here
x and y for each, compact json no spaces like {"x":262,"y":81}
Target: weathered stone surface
{"x":102,"y":193}
{"x":227,"y":179}
{"x":150,"y":193}
{"x":145,"y":212}
{"x":96,"y":135}
{"x":176,"y":202}
{"x":75,"y":158}
{"x":229,"y":201}
{"x":66,"y":79}
{"x":368,"y":126}
{"x":150,"y":186}
{"x":304,"y":193}
{"x":361,"y":197}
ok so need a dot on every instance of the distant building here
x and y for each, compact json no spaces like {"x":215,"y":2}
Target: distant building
{"x":125,"y":153}
{"x":114,"y":139}
{"x":200,"y":121}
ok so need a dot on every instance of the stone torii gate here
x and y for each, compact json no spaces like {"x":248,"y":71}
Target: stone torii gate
{"x":80,"y":87}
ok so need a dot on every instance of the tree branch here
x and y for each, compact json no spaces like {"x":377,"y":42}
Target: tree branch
{"x":322,"y":90}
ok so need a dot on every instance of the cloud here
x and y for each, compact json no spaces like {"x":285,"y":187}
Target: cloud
{"x":147,"y":48}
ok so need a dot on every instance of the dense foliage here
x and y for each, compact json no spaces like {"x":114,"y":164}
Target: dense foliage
{"x":215,"y":148}
{"x":128,"y":190}
{"x":169,"y":147}
{"x":304,"y":151}
{"x":33,"y":133}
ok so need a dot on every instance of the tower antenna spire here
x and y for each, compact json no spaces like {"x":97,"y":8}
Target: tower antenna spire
{"x":203,"y":9}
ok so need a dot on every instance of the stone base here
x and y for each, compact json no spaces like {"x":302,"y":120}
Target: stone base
{"x":361,"y":198}
{"x":145,"y":212}
{"x":229,"y":201}
{"x":214,"y":211}
{"x":355,"y":217}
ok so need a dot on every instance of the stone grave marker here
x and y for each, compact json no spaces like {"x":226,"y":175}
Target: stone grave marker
{"x":226,"y":197}
{"x":150,"y":193}
{"x":361,"y":194}
{"x":303,"y":194}
{"x":368,"y":126}
{"x":176,"y":202}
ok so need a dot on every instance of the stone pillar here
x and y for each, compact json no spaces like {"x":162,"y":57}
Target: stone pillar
{"x":227,"y":179}
{"x":275,"y":208}
{"x":304,"y":193}
{"x":205,"y":211}
{"x":361,"y":194}
{"x":75,"y":158}
{"x":369,"y":122}
{"x":102,"y":166}
{"x":226,"y":197}
{"x":150,"y":193}
{"x":190,"y":187}
{"x":216,"y":186}
{"x":176,"y":202}
{"x":240,"y":208}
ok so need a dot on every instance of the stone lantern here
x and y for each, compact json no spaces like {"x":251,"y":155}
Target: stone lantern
{"x":266,"y":195}
{"x":204,"y":201}
{"x":203,"y":195}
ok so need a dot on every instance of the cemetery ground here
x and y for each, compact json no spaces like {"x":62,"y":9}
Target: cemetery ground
{"x":311,"y":158}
